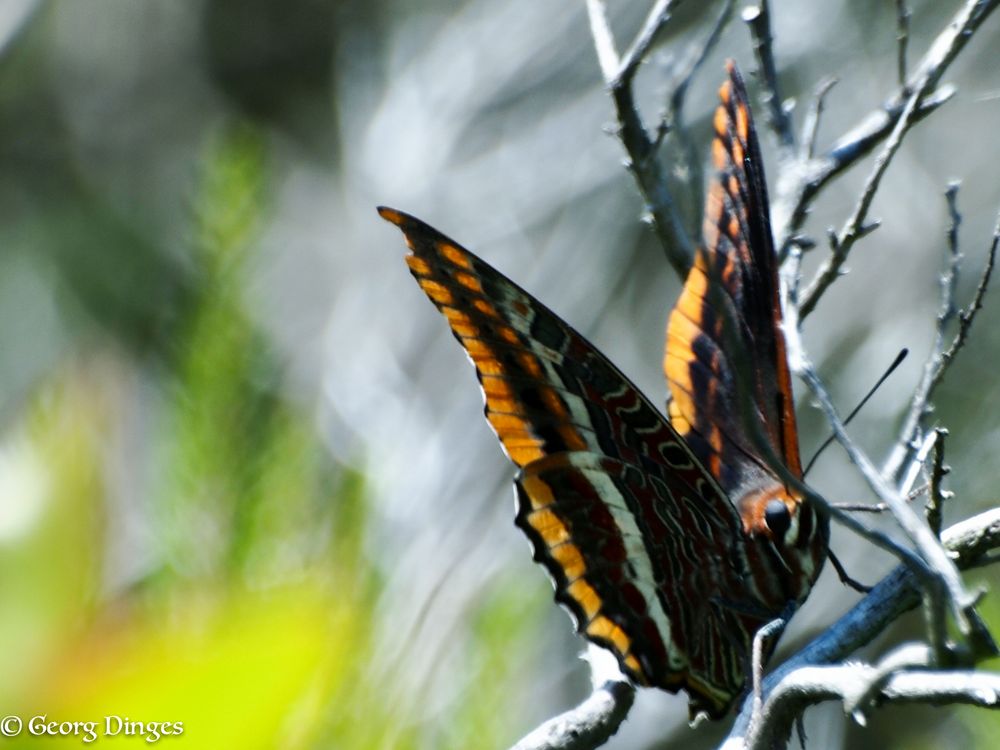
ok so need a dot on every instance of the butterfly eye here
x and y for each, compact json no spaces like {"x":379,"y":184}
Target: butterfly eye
{"x":777,"y":518}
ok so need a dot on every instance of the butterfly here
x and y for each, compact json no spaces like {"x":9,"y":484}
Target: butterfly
{"x":671,"y":541}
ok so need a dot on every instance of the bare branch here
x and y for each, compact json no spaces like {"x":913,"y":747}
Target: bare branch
{"x":643,"y":163}
{"x":940,"y":359}
{"x":856,"y":226}
{"x":689,"y":160}
{"x":696,"y":60}
{"x":758,"y":18}
{"x":862,"y":507}
{"x":881,"y":507}
{"x":791,"y":203}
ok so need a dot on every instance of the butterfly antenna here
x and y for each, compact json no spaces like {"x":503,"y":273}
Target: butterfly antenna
{"x":895,"y":363}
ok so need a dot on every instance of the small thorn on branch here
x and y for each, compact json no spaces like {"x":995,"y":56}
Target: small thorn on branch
{"x":937,"y":495}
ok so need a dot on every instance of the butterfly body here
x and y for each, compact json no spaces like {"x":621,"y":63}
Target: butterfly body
{"x":671,"y":542}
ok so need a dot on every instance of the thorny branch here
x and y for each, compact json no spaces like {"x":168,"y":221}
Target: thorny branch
{"x":758,"y":18}
{"x":649,"y":174}
{"x":937,"y":495}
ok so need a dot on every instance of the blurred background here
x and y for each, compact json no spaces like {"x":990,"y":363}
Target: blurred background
{"x":245,"y":483}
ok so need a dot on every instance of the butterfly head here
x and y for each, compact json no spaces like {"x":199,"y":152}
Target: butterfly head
{"x":772,"y":513}
{"x":782,"y":525}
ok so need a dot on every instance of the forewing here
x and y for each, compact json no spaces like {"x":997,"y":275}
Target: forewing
{"x":547,"y":389}
{"x":636,"y":534}
{"x":738,"y":259}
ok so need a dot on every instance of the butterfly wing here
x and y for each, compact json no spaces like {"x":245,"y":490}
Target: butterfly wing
{"x":726,"y":352}
{"x":738,"y":258}
{"x":635,"y":533}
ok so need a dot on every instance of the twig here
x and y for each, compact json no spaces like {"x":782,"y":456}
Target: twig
{"x":940,"y":359}
{"x":689,"y":157}
{"x":660,"y":204}
{"x":902,"y":38}
{"x":604,"y":40}
{"x":862,"y":507}
{"x":700,"y":53}
{"x":881,"y":507}
{"x":810,"y":126}
{"x":970,"y":541}
{"x":634,"y":55}
{"x":794,"y":194}
{"x":857,"y":226}
{"x":758,"y":18}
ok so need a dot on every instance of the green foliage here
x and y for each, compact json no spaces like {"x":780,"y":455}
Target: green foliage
{"x":255,"y":609}
{"x":246,"y":606}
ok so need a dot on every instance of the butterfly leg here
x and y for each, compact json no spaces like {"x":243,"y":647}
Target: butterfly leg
{"x":844,"y":577}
